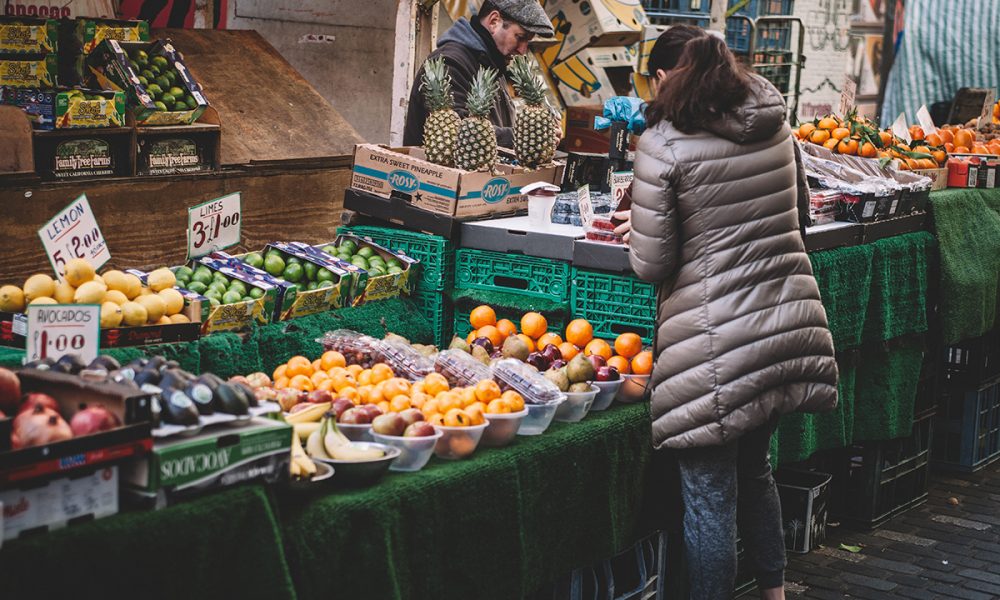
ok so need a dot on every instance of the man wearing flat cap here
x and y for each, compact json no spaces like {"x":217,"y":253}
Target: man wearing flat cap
{"x":499,"y":32}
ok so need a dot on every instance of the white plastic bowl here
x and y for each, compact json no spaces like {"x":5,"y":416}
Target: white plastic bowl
{"x":357,"y":432}
{"x":576,"y":406}
{"x":414,"y":451}
{"x":633,"y":389}
{"x":609,"y":389}
{"x":503,"y":428}
{"x":539,"y":417}
{"x":458,"y":442}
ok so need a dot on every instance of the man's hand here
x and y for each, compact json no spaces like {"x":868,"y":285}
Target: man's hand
{"x":558,"y":128}
{"x":625,"y":228}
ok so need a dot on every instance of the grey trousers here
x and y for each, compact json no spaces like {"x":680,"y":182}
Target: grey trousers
{"x":723,"y":485}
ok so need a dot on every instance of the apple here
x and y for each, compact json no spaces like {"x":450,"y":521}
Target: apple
{"x":485,"y":343}
{"x":34,"y":398}
{"x":607,"y":373}
{"x":597,"y":360}
{"x":552,"y":353}
{"x":557,"y":364}
{"x":320,"y":396}
{"x":340,"y":406}
{"x":412,"y":415}
{"x":419,"y":429}
{"x":538,"y":360}
{"x":372,"y":411}
{"x":389,"y":424}
{"x":355,"y":416}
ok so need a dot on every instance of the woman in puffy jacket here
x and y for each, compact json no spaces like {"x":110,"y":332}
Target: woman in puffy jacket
{"x":742,"y":336}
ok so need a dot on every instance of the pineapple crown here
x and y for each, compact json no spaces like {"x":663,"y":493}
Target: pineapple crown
{"x":483,"y":92}
{"x":528,"y":86}
{"x":436,"y":85}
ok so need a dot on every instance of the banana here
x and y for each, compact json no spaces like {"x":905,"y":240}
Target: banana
{"x":350,"y":453}
{"x":314,"y":445}
{"x":294,"y":469}
{"x":299,"y":459}
{"x":304,"y":430}
{"x":332,"y":438}
{"x":308,"y":415}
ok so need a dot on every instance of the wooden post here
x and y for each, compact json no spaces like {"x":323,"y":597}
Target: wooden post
{"x":416,"y":37}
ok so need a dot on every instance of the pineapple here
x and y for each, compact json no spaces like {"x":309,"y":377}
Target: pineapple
{"x":476,"y":149}
{"x":441,"y":126}
{"x":535,"y":129}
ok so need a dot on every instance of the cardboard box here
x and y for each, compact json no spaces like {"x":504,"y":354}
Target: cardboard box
{"x":650,"y":33}
{"x":587,"y":23}
{"x":595,"y":75}
{"x":177,"y":150}
{"x":939,"y":177}
{"x":404,"y":172}
{"x":68,"y":108}
{"x":368,"y":288}
{"x":72,"y":154}
{"x":60,"y":502}
{"x":29,"y":70}
{"x":28,"y":35}
{"x":90,"y":33}
{"x":311,"y":302}
{"x":180,"y":467}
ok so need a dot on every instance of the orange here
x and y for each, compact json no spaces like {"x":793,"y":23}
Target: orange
{"x":598,"y":347}
{"x":383,"y":406}
{"x":847,"y":146}
{"x":279,"y":373}
{"x":642,"y":364}
{"x":514,"y":400}
{"x":418,"y":400}
{"x":621,"y":363}
{"x":922,"y":149}
{"x":319,"y":376}
{"x":868,"y":150}
{"x":447,"y":401}
{"x":828,"y":123}
{"x":568,"y":351}
{"x":491,"y":333}
{"x":820,"y":136}
{"x":467,"y":395}
{"x":395,"y":387}
{"x":933,"y":139}
{"x":579,"y":332}
{"x":964,"y":137}
{"x":940,"y":156}
{"x":351,"y":393}
{"x":947,"y":137}
{"x":298,"y":365}
{"x":365,"y":377}
{"x":959,"y":150}
{"x":457,"y":417}
{"x":471,"y":337}
{"x":399,"y":403}
{"x":436,"y":419}
{"x":375,"y":394}
{"x":886,"y":138}
{"x":331,"y":359}
{"x":417,"y":387}
{"x":916,"y":133}
{"x":549,"y":339}
{"x":430,"y":407}
{"x":980,"y":149}
{"x":534,"y":325}
{"x":831,"y":144}
{"x":506,"y":328}
{"x":343,"y":380}
{"x":434,"y":384}
{"x":364,"y":394}
{"x":280,"y":383}
{"x":628,"y":344}
{"x":498,"y":407}
{"x":381,"y":372}
{"x":487,"y":390}
{"x":530,"y":343}
{"x":301,"y":382}
{"x":912,"y":163}
{"x":805,"y":129}
{"x":317,"y":365}
{"x":326,"y":384}
{"x":481,"y":316}
{"x":477,"y":413}
{"x":354,"y":370}
{"x":841,"y":133}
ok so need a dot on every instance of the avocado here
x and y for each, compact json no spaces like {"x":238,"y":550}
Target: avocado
{"x":202,"y":397}
{"x":228,"y":400}
{"x":176,"y":408}
{"x":108,"y":363}
{"x":246,"y":392}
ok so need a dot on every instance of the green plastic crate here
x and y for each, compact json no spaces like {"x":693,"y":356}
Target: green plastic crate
{"x":527,"y":275}
{"x":437,"y":308}
{"x":614,"y":304}
{"x":435,"y":253}
{"x":557,"y":323}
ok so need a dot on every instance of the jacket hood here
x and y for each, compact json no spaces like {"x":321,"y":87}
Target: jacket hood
{"x":463,"y":33}
{"x":760,"y":117}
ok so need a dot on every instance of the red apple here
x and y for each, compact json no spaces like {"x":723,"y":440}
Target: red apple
{"x":538,"y":360}
{"x":552,"y":353}
{"x":320,"y":396}
{"x":35,"y":398}
{"x":389,"y":424}
{"x":340,"y":406}
{"x":597,"y":360}
{"x":412,"y":415}
{"x":607,"y":373}
{"x":372,"y":411}
{"x":355,"y":416}
{"x":287,"y":398}
{"x":93,"y":420}
{"x":485,"y":343}
{"x":557,"y":364}
{"x":419,"y":429}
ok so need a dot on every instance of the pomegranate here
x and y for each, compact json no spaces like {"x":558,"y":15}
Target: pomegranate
{"x":39,"y":427}
{"x":93,"y":420}
{"x":10,"y":391}
{"x":35,"y":398}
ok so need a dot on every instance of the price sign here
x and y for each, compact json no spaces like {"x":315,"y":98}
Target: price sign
{"x":620,"y":182}
{"x":899,"y":128}
{"x":214,"y":225}
{"x":986,"y":116}
{"x":925,"y":120}
{"x":73,"y":233}
{"x":586,"y":206}
{"x":55,"y":330}
{"x":847,"y":94}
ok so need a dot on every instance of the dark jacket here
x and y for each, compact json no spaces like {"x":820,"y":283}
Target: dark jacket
{"x":741,"y":333}
{"x":465,"y":47}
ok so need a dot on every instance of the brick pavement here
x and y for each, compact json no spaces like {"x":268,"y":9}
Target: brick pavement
{"x":943,"y":549}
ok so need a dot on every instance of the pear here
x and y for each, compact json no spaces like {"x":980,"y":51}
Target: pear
{"x":514,"y":347}
{"x":579,"y":369}
{"x":559,"y":378}
{"x":576,"y":388}
{"x":479,"y":353}
{"x":460,"y":344}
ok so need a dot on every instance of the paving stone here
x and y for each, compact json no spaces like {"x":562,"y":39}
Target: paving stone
{"x":821,"y":594}
{"x":980,"y":586}
{"x":870,"y":582}
{"x":904,"y":537}
{"x":891,"y":565}
{"x":852,"y":557}
{"x":980,"y":575}
{"x":917,"y":594}
{"x":951,"y":591}
{"x":909,"y":580}
{"x":964,"y":523}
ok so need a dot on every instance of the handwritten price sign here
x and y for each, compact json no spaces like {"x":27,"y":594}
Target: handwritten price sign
{"x":214,"y":225}
{"x":73,"y":233}
{"x":55,"y":330}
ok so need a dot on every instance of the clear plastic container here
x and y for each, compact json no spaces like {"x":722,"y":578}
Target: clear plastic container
{"x":458,"y":442}
{"x":460,"y":369}
{"x":633,"y":389}
{"x":357,"y":348}
{"x":404,"y":360}
{"x":607,"y":393}
{"x":502,"y":429}
{"x":415,"y":451}
{"x":539,"y":418}
{"x":527,"y":381}
{"x":576,"y":406}
{"x":356,"y":432}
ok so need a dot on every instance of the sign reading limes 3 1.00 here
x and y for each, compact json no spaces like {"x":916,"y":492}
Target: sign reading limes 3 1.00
{"x":73,"y":233}
{"x":214,"y":225}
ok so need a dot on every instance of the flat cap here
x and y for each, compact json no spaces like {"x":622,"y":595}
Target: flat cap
{"x":528,"y":14}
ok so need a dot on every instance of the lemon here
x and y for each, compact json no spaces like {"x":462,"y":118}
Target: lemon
{"x":161,"y":279}
{"x":111,"y":315}
{"x":173,"y":300}
{"x":164,"y":320}
{"x":91,"y":292}
{"x":116,"y":280}
{"x":145,"y":291}
{"x":99,"y":279}
{"x":154,"y":305}
{"x":11,"y":298}
{"x":179,"y":318}
{"x":39,"y":285}
{"x":134,"y":314}
{"x":43,"y":300}
{"x":78,"y":272}
{"x":64,"y":293}
{"x":115,"y":296}
{"x":134,"y":286}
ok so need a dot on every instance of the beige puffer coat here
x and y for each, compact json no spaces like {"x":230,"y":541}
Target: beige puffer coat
{"x":741,"y":332}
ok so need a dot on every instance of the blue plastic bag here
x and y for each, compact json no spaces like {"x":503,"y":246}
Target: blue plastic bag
{"x":626,"y":109}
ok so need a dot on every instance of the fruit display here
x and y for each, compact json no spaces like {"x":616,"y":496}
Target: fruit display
{"x":379,"y":273}
{"x":476,"y":145}
{"x":535,"y":135}
{"x":441,"y":126}
{"x":365,"y":257}
{"x":162,"y":81}
{"x":124,"y":299}
{"x":216,"y":286}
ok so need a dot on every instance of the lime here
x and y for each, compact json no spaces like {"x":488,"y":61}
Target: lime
{"x":163,"y":82}
{"x":141,"y":57}
{"x":154,"y":90}
{"x":197,"y":287}
{"x":346,"y":248}
{"x":160,"y":61}
{"x":202,"y":277}
{"x":366,"y":252}
{"x":155,"y":70}
{"x":210,"y":293}
{"x":393,"y":262}
{"x":191,"y":102}
{"x":168,"y":100}
{"x":214,"y":302}
{"x":218,"y":275}
{"x":359,"y":261}
{"x":146,"y":73}
{"x":324,"y":275}
{"x":160,"y":106}
{"x":172,"y":76}
{"x":177,"y":92}
{"x":219,"y":287}
{"x":183,"y":273}
{"x":311,"y":270}
{"x":231,"y":297}
{"x":345,"y":257}
{"x":331,"y":250}
{"x":143,"y":80}
{"x":254,"y":259}
{"x":394,"y":270}
{"x":376,"y":271}
{"x":274,"y":264}
{"x":256,"y":292}
{"x":134,"y":65}
{"x":311,"y":285}
{"x":291,"y":260}
{"x":246,"y":299}
{"x":238,"y":286}
{"x":293,"y":272}
{"x":273,"y":252}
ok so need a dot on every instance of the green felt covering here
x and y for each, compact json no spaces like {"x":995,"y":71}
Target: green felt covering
{"x":498,"y":525}
{"x":898,"y":302}
{"x":967,"y":228}
{"x":844,"y":276}
{"x":225,"y":545}
{"x":886,"y":390}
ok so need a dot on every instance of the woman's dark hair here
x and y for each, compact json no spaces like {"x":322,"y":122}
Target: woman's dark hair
{"x":703,"y":79}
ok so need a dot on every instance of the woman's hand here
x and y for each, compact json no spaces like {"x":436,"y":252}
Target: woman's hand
{"x":626,"y":227}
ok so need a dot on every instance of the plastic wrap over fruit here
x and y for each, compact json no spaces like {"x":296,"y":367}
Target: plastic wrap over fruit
{"x":357,"y":348}
{"x":460,"y":368}
{"x":405,"y":360}
{"x":526,"y":380}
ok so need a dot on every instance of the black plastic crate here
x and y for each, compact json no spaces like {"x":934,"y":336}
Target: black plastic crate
{"x":929,"y":385}
{"x":805,"y":497}
{"x":874,"y":481}
{"x":967,"y":433}
{"x":972,"y":362}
